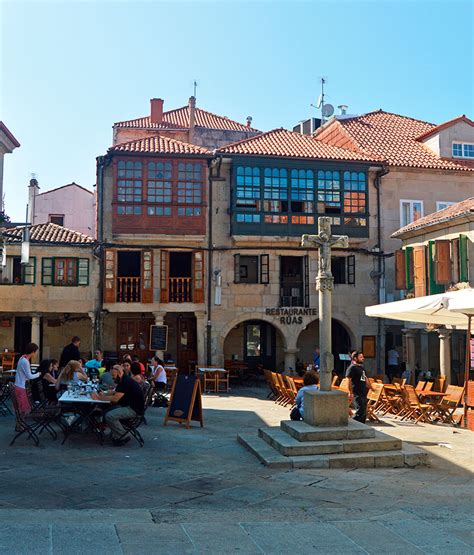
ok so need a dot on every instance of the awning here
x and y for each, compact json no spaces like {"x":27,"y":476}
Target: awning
{"x":447,"y":309}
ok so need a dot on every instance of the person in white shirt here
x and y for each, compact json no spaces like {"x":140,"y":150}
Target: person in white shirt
{"x":392,"y":363}
{"x":23,"y":373}
{"x":159,"y":373}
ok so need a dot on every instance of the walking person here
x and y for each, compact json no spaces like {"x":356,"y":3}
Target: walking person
{"x":358,"y":385}
{"x":70,"y":352}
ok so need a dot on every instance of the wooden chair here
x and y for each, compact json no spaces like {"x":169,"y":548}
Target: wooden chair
{"x":373,"y":398}
{"x":291,"y":389}
{"x":420,"y":386}
{"x":285,"y":394}
{"x":429,"y":387}
{"x":335,"y":379}
{"x":280,"y":394}
{"x":344,"y":385}
{"x":8,"y":361}
{"x":210,"y":381}
{"x":399,"y":381}
{"x":446,"y":408}
{"x":440,"y":383}
{"x":222,"y":379}
{"x":415,"y":409}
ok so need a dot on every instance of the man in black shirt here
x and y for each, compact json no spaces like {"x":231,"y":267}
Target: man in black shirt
{"x":70,"y":352}
{"x":129,"y":396}
{"x":358,"y":387}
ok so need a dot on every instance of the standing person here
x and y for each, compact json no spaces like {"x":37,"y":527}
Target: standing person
{"x":317,"y":358}
{"x":129,"y":398}
{"x":70,"y":352}
{"x":23,"y":373}
{"x":392,"y":363}
{"x":358,"y":385}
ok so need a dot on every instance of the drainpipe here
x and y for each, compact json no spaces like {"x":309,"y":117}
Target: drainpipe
{"x":380,"y":265}
{"x":215,"y":163}
{"x":102,"y":163}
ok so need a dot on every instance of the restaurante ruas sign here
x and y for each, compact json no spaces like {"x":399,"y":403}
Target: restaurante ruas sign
{"x":292,"y":315}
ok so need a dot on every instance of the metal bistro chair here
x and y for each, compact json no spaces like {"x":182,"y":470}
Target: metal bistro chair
{"x":8,"y":361}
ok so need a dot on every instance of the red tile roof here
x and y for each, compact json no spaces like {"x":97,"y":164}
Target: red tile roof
{"x":393,"y":138}
{"x":179,"y":119}
{"x":444,"y":125}
{"x":159,"y":145}
{"x":48,"y":233}
{"x":289,"y":144}
{"x":447,"y":214}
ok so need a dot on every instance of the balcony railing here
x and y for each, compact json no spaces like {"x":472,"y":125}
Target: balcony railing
{"x":181,"y":290}
{"x":128,"y":289}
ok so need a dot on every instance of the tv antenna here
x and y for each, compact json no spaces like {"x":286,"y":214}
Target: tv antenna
{"x":327,"y":110}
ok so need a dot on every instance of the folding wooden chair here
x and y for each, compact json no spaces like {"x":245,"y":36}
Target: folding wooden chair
{"x":210,"y":381}
{"x":8,"y":361}
{"x":420,"y":386}
{"x":285,"y":395}
{"x":373,"y":397}
{"x":429,"y":387}
{"x":415,"y":409}
{"x":446,"y":408}
{"x":222,"y":382}
{"x":399,"y":381}
{"x":291,"y":390}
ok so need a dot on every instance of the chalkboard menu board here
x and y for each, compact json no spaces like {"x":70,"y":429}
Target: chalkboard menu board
{"x":158,"y":338}
{"x":185,"y":401}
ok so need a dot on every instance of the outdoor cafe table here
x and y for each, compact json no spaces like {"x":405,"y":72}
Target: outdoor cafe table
{"x":437,"y":396}
{"x":85,"y":407}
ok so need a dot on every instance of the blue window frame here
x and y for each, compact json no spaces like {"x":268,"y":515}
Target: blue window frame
{"x":329,"y":190}
{"x":247,"y":191}
{"x":463,"y":150}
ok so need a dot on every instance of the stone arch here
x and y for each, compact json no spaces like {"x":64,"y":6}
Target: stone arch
{"x":250,"y":316}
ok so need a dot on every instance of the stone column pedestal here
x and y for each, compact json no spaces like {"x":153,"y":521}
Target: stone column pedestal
{"x":159,"y":321}
{"x":410,"y":336}
{"x":326,"y":408}
{"x":35,"y":335}
{"x":445,"y":354}
{"x":290,"y":362}
{"x":201,"y":332}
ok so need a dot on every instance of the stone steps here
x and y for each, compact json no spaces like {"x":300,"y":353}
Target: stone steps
{"x":300,"y":445}
{"x":408,"y":455}
{"x":289,"y":446}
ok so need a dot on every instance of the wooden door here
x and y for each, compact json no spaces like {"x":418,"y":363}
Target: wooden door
{"x":133,"y":336}
{"x":186,"y":342}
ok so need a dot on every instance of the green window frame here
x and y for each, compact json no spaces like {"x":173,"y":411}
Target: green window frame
{"x":48,"y":275}
{"x":463,"y":259}
{"x":28,"y":272}
{"x":409,"y":268}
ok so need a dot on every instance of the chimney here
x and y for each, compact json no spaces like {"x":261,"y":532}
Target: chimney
{"x":249,"y":121}
{"x":343,"y":109}
{"x":33,"y":189}
{"x":156,"y":110}
{"x":192,"y":117}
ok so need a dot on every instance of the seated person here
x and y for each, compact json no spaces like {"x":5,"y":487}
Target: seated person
{"x":127,"y":367}
{"x":137,"y":373}
{"x":92,"y":366}
{"x":45,"y":369}
{"x":106,"y":379}
{"x":71,"y":373}
{"x":159,"y":374}
{"x":137,"y":360}
{"x":311,"y":383}
{"x":55,"y":368}
{"x":128,"y":397}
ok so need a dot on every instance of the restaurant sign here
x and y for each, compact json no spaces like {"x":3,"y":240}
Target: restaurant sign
{"x":292,"y":315}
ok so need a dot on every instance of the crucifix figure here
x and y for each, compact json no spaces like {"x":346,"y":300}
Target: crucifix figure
{"x":324,"y":241}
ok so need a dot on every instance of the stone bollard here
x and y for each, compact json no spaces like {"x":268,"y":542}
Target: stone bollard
{"x":326,"y":408}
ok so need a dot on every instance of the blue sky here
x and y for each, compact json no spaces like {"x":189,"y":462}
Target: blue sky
{"x":70,"y":69}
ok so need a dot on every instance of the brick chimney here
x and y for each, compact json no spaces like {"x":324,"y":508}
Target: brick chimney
{"x":33,"y":189}
{"x":156,"y":110}
{"x":192,"y":117}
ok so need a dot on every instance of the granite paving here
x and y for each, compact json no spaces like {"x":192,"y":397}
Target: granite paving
{"x":198,"y":491}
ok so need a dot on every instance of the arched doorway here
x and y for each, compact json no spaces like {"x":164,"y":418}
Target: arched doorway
{"x":256,"y":342}
{"x":308,"y":340}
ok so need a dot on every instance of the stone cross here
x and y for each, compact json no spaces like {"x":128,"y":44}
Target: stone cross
{"x":325,"y":284}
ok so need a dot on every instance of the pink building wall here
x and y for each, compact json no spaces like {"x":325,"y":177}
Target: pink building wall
{"x":76,"y":204}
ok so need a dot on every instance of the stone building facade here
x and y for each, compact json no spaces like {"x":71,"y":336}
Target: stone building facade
{"x":54,"y":296}
{"x":437,"y":254}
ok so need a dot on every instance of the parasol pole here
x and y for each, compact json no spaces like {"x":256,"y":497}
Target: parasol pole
{"x":467,"y":365}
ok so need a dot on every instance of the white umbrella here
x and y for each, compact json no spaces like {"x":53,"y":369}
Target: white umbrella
{"x":447,"y":309}
{"x":453,"y":309}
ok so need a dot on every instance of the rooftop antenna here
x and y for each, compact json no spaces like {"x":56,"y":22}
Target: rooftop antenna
{"x":327,"y":110}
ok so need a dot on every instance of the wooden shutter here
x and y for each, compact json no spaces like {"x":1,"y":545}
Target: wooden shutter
{"x":419,"y":271}
{"x":46,"y":271}
{"x":410,"y":268}
{"x":164,"y":274}
{"x":443,"y":265}
{"x":83,"y":271}
{"x":110,"y":280}
{"x":455,"y":260}
{"x":463,"y":266}
{"x":351,"y":263}
{"x":147,"y":276}
{"x":433,"y":287}
{"x":236,"y":268}
{"x":400,"y":270}
{"x":264,"y":268}
{"x":198,"y":277}
{"x":306,"y":280}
